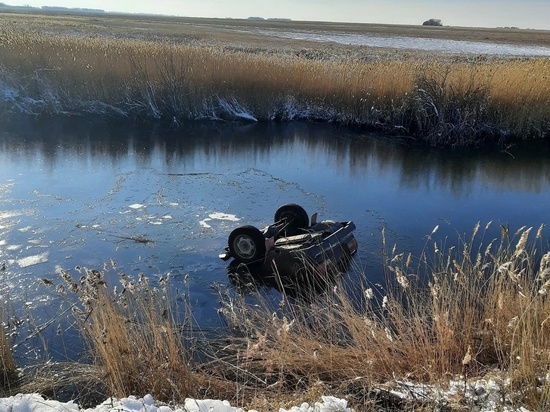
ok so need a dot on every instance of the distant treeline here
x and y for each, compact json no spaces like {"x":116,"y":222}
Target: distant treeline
{"x":269,"y":19}
{"x":52,"y":8}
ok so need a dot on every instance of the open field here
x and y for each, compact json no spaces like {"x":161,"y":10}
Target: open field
{"x":246,"y":33}
{"x":174,"y":69}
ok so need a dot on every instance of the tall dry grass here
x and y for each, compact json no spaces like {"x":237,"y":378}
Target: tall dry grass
{"x":473,"y":309}
{"x":8,"y":368}
{"x":137,"y":341}
{"x":470,"y":310}
{"x":438,"y":100}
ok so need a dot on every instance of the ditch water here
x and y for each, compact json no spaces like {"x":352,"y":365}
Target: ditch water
{"x":78,"y":193}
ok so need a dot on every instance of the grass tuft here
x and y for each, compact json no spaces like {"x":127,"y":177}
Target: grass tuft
{"x":136,"y":341}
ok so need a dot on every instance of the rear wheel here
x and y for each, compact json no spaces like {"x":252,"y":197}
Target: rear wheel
{"x":296,"y":218}
{"x":247,"y":244}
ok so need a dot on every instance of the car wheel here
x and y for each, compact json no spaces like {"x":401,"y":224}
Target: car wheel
{"x":247,"y":244}
{"x":295,"y":215}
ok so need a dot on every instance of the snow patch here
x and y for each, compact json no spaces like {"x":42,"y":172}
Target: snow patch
{"x":234,"y":109}
{"x":36,"y":403}
{"x":10,"y":214}
{"x":329,"y":404}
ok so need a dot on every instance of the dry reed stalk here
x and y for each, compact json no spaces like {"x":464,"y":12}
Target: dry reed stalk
{"x":135,"y":341}
{"x":8,"y":369}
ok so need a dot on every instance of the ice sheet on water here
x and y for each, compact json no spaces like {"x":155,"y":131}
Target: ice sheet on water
{"x":223,"y":216}
{"x":218,"y":216}
{"x":33,"y":260}
{"x":416,"y":43}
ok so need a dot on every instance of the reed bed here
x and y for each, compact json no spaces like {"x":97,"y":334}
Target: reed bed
{"x":455,"y":101}
{"x":140,"y":342}
{"x":477,"y":309}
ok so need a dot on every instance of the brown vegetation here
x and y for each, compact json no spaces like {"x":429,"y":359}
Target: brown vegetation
{"x":477,"y":308}
{"x":77,"y":69}
{"x":469,"y":311}
{"x":136,"y":342}
{"x":8,"y":370}
{"x":472,"y":310}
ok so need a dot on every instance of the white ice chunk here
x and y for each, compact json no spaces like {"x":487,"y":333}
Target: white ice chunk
{"x":204,"y":224}
{"x":33,"y":260}
{"x":223,"y":216}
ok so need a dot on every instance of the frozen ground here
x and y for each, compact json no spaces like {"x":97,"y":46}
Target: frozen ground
{"x":482,"y":395}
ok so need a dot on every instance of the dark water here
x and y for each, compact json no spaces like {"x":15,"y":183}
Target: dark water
{"x":79,"y":193}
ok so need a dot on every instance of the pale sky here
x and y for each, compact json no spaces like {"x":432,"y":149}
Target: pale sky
{"x":474,"y":13}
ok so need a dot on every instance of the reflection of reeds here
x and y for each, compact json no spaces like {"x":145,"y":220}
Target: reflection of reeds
{"x":441,"y":101}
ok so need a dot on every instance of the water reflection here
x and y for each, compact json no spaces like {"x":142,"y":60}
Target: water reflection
{"x":523,"y":167}
{"x":73,"y":192}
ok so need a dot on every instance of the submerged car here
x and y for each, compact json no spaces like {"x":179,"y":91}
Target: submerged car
{"x":293,"y":245}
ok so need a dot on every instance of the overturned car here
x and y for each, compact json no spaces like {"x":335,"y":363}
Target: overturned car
{"x":293,"y":245}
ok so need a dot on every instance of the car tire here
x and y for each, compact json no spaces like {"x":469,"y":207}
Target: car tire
{"x":295,"y":215}
{"x":247,"y":244}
